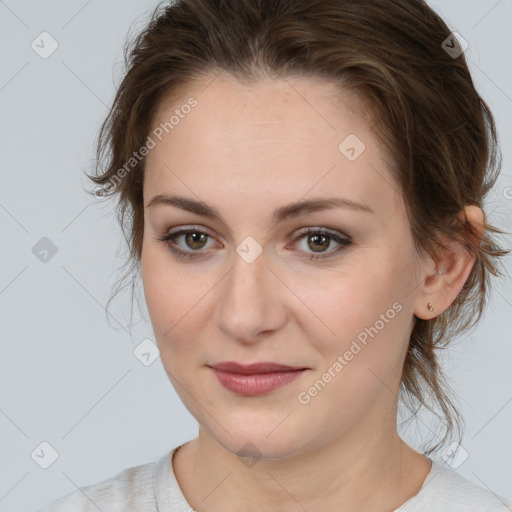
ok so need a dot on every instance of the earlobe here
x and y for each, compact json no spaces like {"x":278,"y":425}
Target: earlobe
{"x":453,"y":266}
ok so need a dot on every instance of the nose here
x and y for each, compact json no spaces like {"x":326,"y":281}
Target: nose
{"x":250,"y":304}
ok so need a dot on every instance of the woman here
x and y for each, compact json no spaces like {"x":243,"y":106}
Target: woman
{"x":301,"y":184}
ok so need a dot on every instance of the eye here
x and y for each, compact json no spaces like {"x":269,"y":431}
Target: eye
{"x":194,"y":239}
{"x":318,"y":239}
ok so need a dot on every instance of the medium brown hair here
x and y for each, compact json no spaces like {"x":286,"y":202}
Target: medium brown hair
{"x":439,"y":132}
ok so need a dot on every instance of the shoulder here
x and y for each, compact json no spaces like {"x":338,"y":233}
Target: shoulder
{"x":130,"y":490}
{"x":446,"y":490}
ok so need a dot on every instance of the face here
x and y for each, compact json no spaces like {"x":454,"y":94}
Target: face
{"x":327,"y":289}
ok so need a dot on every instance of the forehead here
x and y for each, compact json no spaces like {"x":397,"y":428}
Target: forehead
{"x":280,"y":138}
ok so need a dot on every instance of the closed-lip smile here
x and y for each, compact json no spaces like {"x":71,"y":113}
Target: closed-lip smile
{"x":256,"y":378}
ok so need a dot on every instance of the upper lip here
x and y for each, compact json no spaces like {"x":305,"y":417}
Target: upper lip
{"x":248,"y":369}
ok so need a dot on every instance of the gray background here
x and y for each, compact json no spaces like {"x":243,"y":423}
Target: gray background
{"x":70,"y":378}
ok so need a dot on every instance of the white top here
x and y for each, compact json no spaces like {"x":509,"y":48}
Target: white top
{"x":153,"y":488}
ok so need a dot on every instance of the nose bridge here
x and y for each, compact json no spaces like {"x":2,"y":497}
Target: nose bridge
{"x":249,"y":303}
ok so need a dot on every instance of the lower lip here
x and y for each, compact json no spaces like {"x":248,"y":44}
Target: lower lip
{"x":255,"y":384}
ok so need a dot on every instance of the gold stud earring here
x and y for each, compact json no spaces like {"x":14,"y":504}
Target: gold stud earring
{"x":430,"y":307}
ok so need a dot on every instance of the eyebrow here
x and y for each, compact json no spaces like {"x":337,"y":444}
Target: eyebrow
{"x":281,"y":214}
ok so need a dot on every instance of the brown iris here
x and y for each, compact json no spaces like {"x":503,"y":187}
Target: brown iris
{"x":195,"y":238}
{"x":316,"y":245}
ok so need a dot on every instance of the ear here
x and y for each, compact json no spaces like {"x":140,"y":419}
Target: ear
{"x":453,"y":266}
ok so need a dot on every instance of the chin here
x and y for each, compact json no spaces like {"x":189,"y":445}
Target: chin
{"x":265,"y":443}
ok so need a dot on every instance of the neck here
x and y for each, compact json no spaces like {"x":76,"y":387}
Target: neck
{"x":334,"y":475}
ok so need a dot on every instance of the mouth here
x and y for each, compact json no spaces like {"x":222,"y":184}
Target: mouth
{"x":257,"y":378}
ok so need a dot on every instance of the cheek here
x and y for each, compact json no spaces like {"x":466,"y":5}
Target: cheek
{"x":176,"y":296}
{"x":363,"y":355}
{"x":360,"y":314}
{"x":350,"y":299}
{"x":162,"y":289}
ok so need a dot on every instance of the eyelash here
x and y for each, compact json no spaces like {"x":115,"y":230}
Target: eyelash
{"x":168,"y":239}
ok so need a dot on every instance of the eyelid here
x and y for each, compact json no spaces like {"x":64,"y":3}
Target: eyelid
{"x":320,"y":229}
{"x":194,"y":228}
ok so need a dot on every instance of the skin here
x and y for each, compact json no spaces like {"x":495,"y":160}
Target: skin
{"x":248,"y":150}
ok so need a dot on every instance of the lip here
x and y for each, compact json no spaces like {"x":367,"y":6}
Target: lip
{"x":255,"y":379}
